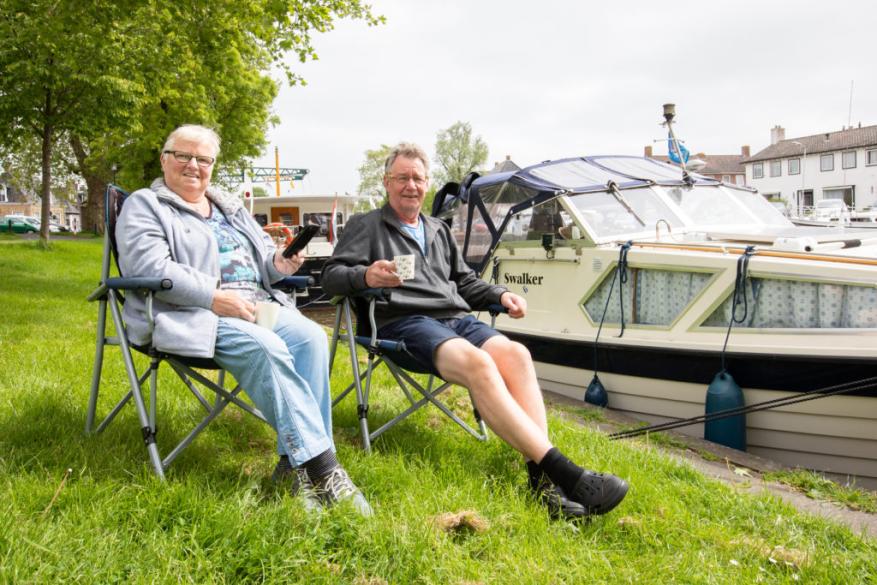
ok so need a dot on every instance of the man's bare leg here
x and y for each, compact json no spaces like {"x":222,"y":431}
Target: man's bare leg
{"x":462,"y":363}
{"x":516,"y":368}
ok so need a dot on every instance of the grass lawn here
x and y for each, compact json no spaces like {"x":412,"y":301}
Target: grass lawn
{"x":219,"y":519}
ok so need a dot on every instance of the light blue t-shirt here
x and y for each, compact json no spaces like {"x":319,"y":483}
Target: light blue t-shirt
{"x":418,"y":234}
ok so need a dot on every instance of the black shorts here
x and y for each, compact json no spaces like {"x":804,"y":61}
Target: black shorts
{"x":423,"y":335}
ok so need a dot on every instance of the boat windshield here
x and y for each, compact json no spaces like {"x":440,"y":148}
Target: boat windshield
{"x":761,"y":207}
{"x":711,"y":206}
{"x":606,"y":215}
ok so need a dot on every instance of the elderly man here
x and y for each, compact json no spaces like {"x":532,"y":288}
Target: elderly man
{"x":222,"y":264}
{"x":431,"y":314}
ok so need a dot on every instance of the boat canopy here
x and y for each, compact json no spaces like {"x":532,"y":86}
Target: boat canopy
{"x":597,"y":197}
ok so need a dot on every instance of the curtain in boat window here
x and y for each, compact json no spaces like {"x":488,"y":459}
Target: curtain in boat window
{"x":790,"y":304}
{"x":651,"y":297}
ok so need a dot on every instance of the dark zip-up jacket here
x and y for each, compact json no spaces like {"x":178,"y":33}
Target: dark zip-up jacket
{"x":443,"y":285}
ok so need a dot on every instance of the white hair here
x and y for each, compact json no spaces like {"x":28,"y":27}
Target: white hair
{"x":195,"y":133}
{"x":406,"y":150}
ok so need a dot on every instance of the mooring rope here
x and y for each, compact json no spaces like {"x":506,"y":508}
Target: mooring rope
{"x":622,"y":261}
{"x":862,"y":384}
{"x":738,"y":298}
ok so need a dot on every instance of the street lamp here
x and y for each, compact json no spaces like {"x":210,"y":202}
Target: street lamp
{"x":803,"y":174}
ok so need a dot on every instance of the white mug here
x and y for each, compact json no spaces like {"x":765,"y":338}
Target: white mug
{"x":267,"y":313}
{"x":404,"y":266}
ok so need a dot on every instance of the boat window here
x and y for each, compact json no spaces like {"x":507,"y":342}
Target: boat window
{"x":500,"y":198}
{"x":651,"y":296}
{"x":480,"y":239}
{"x":607,"y":216}
{"x":709,"y":206}
{"x":791,"y":304}
{"x":455,"y":215}
{"x":761,"y":207}
{"x":575,"y":173}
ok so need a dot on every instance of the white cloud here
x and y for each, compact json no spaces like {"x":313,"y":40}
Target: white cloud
{"x":564,"y":78}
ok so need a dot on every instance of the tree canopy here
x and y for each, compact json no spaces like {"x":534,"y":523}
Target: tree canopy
{"x":457,"y":153}
{"x":112,"y":79}
{"x":371,"y":173}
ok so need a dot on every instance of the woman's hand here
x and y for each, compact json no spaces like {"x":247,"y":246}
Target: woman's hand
{"x":228,"y":303}
{"x":289,"y":265}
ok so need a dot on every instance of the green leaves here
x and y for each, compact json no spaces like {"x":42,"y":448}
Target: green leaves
{"x":119,"y":76}
{"x":458,"y":153}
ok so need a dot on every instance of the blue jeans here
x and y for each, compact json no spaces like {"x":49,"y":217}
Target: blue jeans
{"x":285,"y":372}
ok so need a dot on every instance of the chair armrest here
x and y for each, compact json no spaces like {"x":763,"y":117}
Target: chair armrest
{"x":142,"y":283}
{"x":382,"y":344}
{"x":374,"y":294}
{"x":296,"y":282}
{"x":497,"y":309}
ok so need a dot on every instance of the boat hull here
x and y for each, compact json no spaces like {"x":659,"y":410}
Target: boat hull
{"x":833,"y":434}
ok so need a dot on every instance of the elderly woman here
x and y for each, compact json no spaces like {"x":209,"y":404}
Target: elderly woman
{"x":221,"y":264}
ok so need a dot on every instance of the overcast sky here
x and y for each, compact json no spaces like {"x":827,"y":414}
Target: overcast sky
{"x":553,"y":79}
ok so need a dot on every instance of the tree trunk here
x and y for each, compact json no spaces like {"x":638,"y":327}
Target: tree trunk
{"x":46,"y":188}
{"x":93,"y":209}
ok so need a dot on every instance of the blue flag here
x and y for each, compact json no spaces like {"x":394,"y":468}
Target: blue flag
{"x":671,"y":151}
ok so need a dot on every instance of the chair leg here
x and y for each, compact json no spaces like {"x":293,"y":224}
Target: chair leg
{"x":98,"y":364}
{"x":361,"y":394}
{"x":147,"y":430}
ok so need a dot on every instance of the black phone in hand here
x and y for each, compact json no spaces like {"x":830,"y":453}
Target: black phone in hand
{"x":301,"y":240}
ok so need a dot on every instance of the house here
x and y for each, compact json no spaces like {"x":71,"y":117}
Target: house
{"x":15,"y":201}
{"x":830,"y":165}
{"x":722,"y":167}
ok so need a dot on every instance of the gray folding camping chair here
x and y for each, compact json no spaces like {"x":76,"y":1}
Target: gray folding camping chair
{"x":110,"y":294}
{"x":392,"y":354}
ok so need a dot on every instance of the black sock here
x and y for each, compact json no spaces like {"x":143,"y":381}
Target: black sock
{"x":534,"y":474}
{"x":321,"y":465}
{"x":563,"y":472}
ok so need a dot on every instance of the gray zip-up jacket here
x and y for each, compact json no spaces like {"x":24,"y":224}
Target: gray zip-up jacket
{"x":443,"y":285}
{"x":159,"y":235}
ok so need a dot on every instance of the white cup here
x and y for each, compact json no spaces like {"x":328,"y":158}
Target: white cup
{"x":267,"y":313}
{"x":404,"y":266}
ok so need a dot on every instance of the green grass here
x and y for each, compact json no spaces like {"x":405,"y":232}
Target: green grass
{"x":818,"y":487}
{"x":218,"y":519}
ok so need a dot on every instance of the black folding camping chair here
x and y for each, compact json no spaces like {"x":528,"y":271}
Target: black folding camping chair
{"x":392,"y":354}
{"x":110,"y":294}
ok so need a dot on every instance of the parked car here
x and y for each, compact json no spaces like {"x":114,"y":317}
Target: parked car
{"x":17,"y":225}
{"x":831,"y":210}
{"x":54,"y":227}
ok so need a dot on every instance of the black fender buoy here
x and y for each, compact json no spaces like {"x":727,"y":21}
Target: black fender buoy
{"x":724,"y":393}
{"x":596,"y":393}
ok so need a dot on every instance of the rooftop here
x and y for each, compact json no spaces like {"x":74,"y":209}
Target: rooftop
{"x":846,"y":139}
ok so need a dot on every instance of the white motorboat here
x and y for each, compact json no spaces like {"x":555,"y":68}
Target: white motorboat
{"x":556,"y":233}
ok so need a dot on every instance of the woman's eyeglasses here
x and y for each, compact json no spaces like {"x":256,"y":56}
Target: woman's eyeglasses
{"x":185,"y":157}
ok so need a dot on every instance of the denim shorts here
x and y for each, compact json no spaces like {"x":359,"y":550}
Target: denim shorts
{"x":422,"y":336}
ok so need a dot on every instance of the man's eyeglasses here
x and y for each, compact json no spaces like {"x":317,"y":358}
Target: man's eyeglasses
{"x":403,"y":179}
{"x":185,"y":157}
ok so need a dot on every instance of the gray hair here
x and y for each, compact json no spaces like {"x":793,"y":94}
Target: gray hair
{"x":195,"y":133}
{"x":406,"y":150}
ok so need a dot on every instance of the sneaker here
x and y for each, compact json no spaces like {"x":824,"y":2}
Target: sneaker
{"x":552,"y":497}
{"x":299,"y":483}
{"x":336,"y":486}
{"x":598,"y":492}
